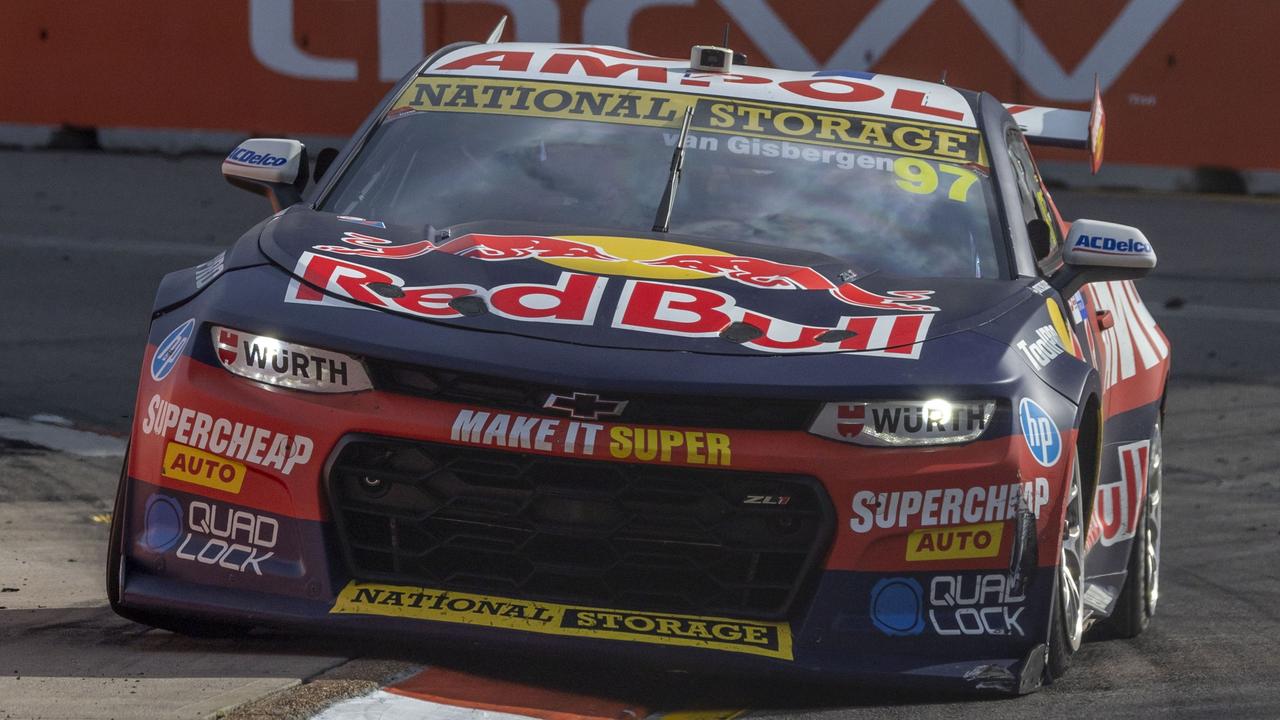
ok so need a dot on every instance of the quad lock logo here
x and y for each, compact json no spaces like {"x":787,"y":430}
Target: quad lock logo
{"x":955,"y":605}
{"x":209,"y":534}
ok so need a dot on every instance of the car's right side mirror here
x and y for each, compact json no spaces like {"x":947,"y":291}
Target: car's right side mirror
{"x":1097,"y":250}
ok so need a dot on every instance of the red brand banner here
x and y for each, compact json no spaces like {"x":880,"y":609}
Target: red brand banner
{"x":1180,"y":78}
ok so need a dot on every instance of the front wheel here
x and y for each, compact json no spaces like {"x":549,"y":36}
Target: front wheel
{"x":1067,"y":615}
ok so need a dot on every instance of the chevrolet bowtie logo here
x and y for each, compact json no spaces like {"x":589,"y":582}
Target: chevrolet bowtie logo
{"x":585,"y":406}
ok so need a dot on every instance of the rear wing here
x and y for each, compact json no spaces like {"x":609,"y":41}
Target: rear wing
{"x":1055,"y":127}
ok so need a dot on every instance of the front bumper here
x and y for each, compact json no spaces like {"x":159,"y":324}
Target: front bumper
{"x":229,"y":515}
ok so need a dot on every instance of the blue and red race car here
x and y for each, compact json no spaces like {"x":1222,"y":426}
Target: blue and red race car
{"x":582,"y":350}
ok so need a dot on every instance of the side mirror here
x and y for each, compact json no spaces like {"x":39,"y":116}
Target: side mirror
{"x":1097,"y":250}
{"x":269,"y":166}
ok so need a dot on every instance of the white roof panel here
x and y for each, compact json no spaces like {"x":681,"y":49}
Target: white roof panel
{"x":600,"y":65}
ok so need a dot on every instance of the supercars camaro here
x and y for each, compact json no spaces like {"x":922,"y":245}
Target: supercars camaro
{"x":588,"y":351}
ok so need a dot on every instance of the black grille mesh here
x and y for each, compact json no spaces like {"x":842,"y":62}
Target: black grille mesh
{"x":667,"y":539}
{"x":679,"y":410}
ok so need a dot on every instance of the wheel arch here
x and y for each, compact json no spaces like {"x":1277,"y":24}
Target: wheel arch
{"x":1089,"y":438}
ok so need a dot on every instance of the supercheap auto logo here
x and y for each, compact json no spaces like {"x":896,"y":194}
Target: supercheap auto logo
{"x":208,"y":450}
{"x":770,"y":639}
{"x":955,"y":543}
{"x":633,"y":106}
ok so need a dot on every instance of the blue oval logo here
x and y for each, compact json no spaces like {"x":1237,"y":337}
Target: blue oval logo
{"x":1040,"y":432}
{"x":896,"y":607}
{"x":162,"y":523}
{"x":170,"y":349}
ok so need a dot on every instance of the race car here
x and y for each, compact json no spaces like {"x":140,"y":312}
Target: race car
{"x":582,"y":351}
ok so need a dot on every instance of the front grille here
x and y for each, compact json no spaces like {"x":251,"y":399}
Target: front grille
{"x":662,"y":539}
{"x":680,"y":410}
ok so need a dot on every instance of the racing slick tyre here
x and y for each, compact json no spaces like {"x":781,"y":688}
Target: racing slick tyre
{"x":115,"y":571}
{"x":1066,"y":618}
{"x":1141,"y":589}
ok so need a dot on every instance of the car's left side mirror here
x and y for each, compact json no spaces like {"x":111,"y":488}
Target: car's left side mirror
{"x":1097,"y":250}
{"x":273,"y":167}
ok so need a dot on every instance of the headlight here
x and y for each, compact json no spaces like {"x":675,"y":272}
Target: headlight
{"x":286,"y":364}
{"x":904,"y":423}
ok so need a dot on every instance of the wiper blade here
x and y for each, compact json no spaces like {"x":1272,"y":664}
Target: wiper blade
{"x":662,"y":222}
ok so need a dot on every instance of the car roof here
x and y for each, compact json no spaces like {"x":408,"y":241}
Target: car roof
{"x":847,"y":90}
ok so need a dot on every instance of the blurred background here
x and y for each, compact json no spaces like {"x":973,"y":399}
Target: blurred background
{"x":1185,"y":82}
{"x":115,"y":114}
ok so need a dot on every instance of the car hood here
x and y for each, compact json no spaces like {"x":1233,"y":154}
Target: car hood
{"x":643,"y":291}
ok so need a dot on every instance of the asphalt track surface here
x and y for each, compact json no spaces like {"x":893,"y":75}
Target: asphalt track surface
{"x":86,"y":237}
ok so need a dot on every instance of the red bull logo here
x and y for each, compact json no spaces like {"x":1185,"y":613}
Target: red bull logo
{"x":376,"y":247}
{"x":477,"y":246}
{"x":761,"y":273}
{"x":1117,"y":506}
{"x":648,"y":306}
{"x":520,"y":247}
{"x":570,"y":252}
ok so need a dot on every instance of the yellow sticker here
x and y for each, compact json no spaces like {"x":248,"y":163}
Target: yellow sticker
{"x":630,"y":256}
{"x":771,"y":639}
{"x":202,"y":468}
{"x":920,"y":178}
{"x":720,"y":115}
{"x":1060,"y":324}
{"x":955,"y":543}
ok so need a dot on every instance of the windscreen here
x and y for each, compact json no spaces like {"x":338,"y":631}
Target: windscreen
{"x":902,"y":197}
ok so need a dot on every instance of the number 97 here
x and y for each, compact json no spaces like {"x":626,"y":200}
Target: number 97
{"x":919,"y":177}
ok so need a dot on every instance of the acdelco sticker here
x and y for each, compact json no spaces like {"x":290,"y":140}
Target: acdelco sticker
{"x":236,"y":440}
{"x":201,"y":468}
{"x":771,"y":639}
{"x":946,"y":506}
{"x":571,"y":437}
{"x":955,"y":543}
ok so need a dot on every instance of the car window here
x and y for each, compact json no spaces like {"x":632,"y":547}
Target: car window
{"x":1035,"y":203}
{"x":882,"y":193}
